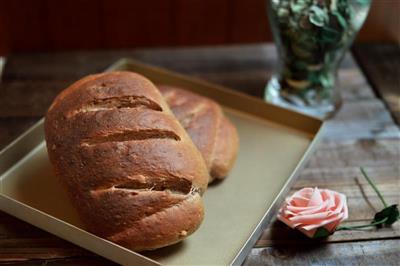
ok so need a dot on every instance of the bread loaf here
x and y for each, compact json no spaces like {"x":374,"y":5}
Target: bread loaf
{"x":212,"y":133}
{"x":130,"y":169}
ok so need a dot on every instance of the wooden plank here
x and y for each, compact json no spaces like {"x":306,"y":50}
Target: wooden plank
{"x":13,"y":228}
{"x":25,"y":19}
{"x":363,"y":203}
{"x":356,"y":152}
{"x":246,"y":68}
{"x":128,"y":23}
{"x":199,"y":21}
{"x":194,"y":61}
{"x":382,"y":23}
{"x":353,"y":84}
{"x":73,"y":25}
{"x":360,"y":197}
{"x":74,"y":261}
{"x":15,"y":103}
{"x":381,"y":65}
{"x":248,"y":22}
{"x":351,"y":121}
{"x":315,"y":253}
{"x":335,"y":166}
{"x":362,"y":134}
{"x":4,"y":29}
{"x":37,"y":248}
{"x":22,"y":242}
{"x":60,"y":66}
{"x":357,"y":119}
{"x":363,"y":119}
{"x":10,"y":128}
{"x":278,"y":234}
{"x":348,"y":175}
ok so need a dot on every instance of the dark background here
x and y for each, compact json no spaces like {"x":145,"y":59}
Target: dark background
{"x":53,"y":25}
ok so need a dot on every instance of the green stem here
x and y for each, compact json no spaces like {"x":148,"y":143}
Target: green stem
{"x":373,"y":186}
{"x":361,"y":226}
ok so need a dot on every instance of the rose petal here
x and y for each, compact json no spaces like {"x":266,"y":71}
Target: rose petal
{"x":332,"y":226}
{"x":299,"y":201}
{"x":315,"y":209}
{"x":316,"y":198}
{"x":317,"y":219}
{"x":301,"y":197}
{"x":311,"y":208}
{"x":298,"y":208}
{"x":286,"y":221}
{"x":305,"y":192}
{"x":310,"y":218}
{"x":340,"y":202}
{"x":331,"y":200}
{"x":307,"y":210}
{"x":324,"y":222}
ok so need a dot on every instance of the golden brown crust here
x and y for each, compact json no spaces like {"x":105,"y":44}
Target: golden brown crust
{"x":124,"y":158}
{"x":203,"y":119}
{"x":226,"y":149}
{"x":174,"y":224}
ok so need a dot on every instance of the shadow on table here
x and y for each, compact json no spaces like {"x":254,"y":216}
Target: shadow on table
{"x":286,"y":242}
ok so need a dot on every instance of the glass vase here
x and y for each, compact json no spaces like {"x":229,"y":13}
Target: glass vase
{"x":311,"y":37}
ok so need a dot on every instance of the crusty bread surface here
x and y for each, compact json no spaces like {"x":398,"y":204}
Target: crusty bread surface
{"x":130,"y":169}
{"x":211,"y":131}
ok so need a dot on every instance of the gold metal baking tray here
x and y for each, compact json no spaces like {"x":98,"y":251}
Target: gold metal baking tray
{"x":274,"y":145}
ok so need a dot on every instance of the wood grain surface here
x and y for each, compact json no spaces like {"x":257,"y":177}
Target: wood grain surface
{"x":381,"y":64}
{"x":48,"y":25}
{"x":363,"y":133}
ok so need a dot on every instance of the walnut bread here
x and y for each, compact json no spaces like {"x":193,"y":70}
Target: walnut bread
{"x":129,"y":168}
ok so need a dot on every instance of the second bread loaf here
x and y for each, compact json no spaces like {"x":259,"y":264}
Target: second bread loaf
{"x":211,"y":131}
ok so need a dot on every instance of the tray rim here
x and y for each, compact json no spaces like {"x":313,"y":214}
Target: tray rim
{"x":273,"y":209}
{"x":27,"y":142}
{"x":296,"y":118}
{"x":36,"y":217}
{"x":124,"y":63}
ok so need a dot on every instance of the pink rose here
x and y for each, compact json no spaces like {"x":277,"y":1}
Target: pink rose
{"x":310,"y":209}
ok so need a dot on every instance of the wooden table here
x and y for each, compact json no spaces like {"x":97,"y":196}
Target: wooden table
{"x":362,"y":134}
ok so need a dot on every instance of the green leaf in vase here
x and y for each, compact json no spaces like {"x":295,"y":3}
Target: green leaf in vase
{"x":333,"y":5}
{"x":298,"y":6}
{"x":318,"y":16}
{"x":340,"y":19}
{"x":363,"y":2}
{"x":283,"y":13}
{"x":351,"y":13}
{"x":330,"y":36}
{"x":314,"y":77}
{"x":326,"y":81}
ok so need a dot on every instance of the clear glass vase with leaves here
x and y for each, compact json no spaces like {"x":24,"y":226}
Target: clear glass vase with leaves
{"x":311,"y":37}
